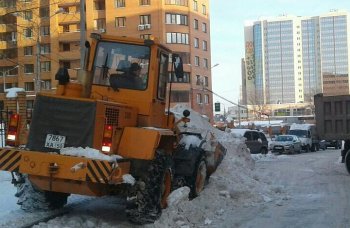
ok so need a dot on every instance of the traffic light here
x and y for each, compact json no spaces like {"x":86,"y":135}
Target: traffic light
{"x":217,"y":107}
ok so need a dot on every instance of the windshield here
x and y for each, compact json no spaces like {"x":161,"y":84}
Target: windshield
{"x":121,"y":65}
{"x":284,"y":138}
{"x":300,"y":133}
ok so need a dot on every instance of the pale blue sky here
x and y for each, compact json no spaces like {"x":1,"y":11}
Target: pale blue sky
{"x":227,"y":19}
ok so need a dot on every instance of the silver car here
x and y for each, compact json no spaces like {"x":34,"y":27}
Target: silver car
{"x":288,"y":144}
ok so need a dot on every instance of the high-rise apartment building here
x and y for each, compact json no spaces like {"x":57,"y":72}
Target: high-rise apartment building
{"x":52,"y":27}
{"x":289,"y":59}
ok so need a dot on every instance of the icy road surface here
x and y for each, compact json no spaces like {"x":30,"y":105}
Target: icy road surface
{"x":318,"y":193}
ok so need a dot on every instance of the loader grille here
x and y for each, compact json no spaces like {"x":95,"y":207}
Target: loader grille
{"x":112,"y":116}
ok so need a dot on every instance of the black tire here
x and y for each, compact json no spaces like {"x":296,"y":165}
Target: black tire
{"x":307,"y":149}
{"x":347,"y":161}
{"x":199,"y":178}
{"x":263,"y":150}
{"x":313,"y":148}
{"x":148,"y":197}
{"x":33,"y":199}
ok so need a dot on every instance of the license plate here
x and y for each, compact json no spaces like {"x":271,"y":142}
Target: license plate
{"x":55,"y":141}
{"x":278,"y":147}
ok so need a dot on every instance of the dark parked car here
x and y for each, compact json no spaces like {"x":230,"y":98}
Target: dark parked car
{"x":255,"y":140}
{"x":333,"y":143}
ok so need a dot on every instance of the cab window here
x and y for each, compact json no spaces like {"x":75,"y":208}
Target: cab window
{"x":163,"y":72}
{"x":121,"y":65}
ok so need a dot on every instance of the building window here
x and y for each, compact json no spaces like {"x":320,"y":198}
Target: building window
{"x":196,"y":43}
{"x":45,"y":30}
{"x":180,"y":96}
{"x":145,"y":36}
{"x":205,"y":63}
{"x":65,"y":47}
{"x":177,"y":2}
{"x":100,"y":5}
{"x":145,"y":19}
{"x":196,"y":60}
{"x":199,"y":98}
{"x":198,"y":80}
{"x":204,"y":27}
{"x":195,"y":24}
{"x":28,"y":51}
{"x":28,"y":32}
{"x":204,"y":9}
{"x":45,"y":66}
{"x":28,"y":15}
{"x":46,"y":84}
{"x":206,"y":81}
{"x":120,"y":21}
{"x":29,"y":86}
{"x":44,"y":12}
{"x":66,"y":64}
{"x":177,"y":38}
{"x":185,"y":79}
{"x":119,"y":3}
{"x":205,"y":45}
{"x":206,"y":99}
{"x":45,"y":49}
{"x":177,"y":19}
{"x":195,"y":5}
{"x":65,"y":28}
{"x":28,"y":68}
{"x":100,"y":24}
{"x":145,"y":2}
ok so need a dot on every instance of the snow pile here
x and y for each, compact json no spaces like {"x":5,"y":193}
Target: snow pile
{"x":88,"y":153}
{"x":234,"y":184}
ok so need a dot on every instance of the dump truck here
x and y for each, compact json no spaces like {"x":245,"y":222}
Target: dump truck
{"x":333,"y":121}
{"x":129,"y":143}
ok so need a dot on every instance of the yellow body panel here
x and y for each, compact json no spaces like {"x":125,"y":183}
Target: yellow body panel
{"x":138,"y":143}
{"x":141,"y":143}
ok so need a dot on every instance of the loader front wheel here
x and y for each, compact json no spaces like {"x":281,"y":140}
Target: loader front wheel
{"x":199,"y":177}
{"x":32,"y":199}
{"x":149,"y":195}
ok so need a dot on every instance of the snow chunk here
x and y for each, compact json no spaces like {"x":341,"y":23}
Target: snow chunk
{"x":88,"y":153}
{"x":190,"y":140}
{"x":12,"y":92}
{"x":128,"y":179}
{"x":178,"y":195}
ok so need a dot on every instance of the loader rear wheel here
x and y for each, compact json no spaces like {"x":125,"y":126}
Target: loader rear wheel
{"x":33,"y":199}
{"x":149,"y":195}
{"x":199,"y":177}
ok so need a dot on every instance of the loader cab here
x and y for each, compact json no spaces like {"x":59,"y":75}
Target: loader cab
{"x":131,"y":71}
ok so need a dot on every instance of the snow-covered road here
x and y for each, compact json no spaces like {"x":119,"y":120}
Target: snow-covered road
{"x":304,"y":190}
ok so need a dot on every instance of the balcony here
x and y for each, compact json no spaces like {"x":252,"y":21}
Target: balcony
{"x":69,"y":18}
{"x":69,"y":36}
{"x":69,"y":55}
{"x":8,"y":44}
{"x":99,"y":14}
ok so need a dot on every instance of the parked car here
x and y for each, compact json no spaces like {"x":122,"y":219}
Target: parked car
{"x":333,"y":143}
{"x":288,"y":144}
{"x":255,"y":140}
